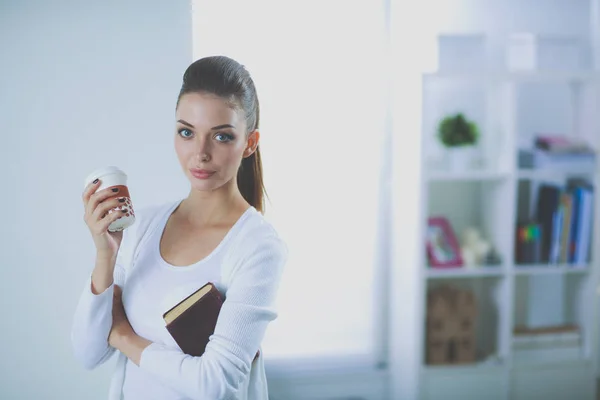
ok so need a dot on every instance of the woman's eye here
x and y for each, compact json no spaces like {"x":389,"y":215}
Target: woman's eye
{"x":186,"y":133}
{"x":224,"y":137}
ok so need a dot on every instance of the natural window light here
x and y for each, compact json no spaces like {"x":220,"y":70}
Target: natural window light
{"x":318,"y":69}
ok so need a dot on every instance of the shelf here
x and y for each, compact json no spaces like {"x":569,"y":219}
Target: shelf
{"x":467,"y":176}
{"x":517,"y":77}
{"x":491,"y":364}
{"x":464,"y":272}
{"x":557,"y":362}
{"x":547,"y":269}
{"x":534,"y":174}
{"x":471,"y":381}
{"x":551,"y":360}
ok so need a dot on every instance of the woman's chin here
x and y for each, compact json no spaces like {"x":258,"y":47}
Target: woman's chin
{"x":202,"y":186}
{"x":205,"y":185}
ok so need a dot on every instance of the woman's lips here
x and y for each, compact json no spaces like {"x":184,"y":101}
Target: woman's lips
{"x":201,"y":173}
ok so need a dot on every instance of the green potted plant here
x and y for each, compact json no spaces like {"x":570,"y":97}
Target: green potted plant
{"x":459,"y":136}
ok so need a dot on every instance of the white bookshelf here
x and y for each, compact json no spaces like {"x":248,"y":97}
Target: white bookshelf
{"x":573,"y":77}
{"x":543,"y":269}
{"x":484,"y":175}
{"x":486,"y":196}
{"x":458,"y":273}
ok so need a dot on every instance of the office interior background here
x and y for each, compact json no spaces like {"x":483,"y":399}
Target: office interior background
{"x":430,"y":164}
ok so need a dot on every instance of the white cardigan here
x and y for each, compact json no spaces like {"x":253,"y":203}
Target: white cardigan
{"x":250,"y":277}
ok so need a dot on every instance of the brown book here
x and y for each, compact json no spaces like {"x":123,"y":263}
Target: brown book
{"x":193,"y":320}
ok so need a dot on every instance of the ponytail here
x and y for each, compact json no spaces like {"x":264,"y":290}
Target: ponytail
{"x":250,"y":181}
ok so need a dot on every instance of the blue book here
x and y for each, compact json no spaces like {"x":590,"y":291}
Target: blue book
{"x":557,"y":223}
{"x":575,"y":223}
{"x":584,"y":233}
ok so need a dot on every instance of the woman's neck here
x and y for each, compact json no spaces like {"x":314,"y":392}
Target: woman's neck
{"x":202,"y":209}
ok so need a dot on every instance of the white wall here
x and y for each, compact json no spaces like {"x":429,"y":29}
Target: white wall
{"x":82,"y":84}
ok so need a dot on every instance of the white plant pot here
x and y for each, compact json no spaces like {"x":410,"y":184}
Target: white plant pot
{"x":460,"y":158}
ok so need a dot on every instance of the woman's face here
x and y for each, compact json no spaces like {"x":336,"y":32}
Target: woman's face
{"x":211,"y":140}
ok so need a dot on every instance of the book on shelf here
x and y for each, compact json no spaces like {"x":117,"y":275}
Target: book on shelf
{"x":581,"y":228}
{"x":566,"y":204}
{"x":528,"y":243}
{"x":564,"y":216}
{"x":546,"y":214}
{"x":538,"y":159}
{"x":557,"y":153}
{"x":562,"y":144}
{"x":523,"y":335}
{"x":546,"y":344}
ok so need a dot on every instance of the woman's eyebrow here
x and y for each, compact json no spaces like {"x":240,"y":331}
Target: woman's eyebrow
{"x":185,"y":123}
{"x":213,"y":128}
{"x":223,"y":126}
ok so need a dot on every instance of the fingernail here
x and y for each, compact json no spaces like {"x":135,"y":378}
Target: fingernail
{"x":122,"y":200}
{"x":115,"y":190}
{"x":96,"y":181}
{"x":123,"y":211}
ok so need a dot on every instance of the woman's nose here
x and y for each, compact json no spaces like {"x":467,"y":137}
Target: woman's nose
{"x":203,"y":150}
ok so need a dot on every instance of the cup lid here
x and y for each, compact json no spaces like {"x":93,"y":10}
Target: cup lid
{"x":100,"y":172}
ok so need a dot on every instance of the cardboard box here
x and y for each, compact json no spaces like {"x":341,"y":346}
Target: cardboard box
{"x":450,"y":327}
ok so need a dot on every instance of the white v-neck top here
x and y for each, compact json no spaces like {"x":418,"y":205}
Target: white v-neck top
{"x":246,"y":267}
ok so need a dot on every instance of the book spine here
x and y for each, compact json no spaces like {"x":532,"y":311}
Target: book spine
{"x":557,"y":221}
{"x":567,"y":202}
{"x":585,"y":227}
{"x":575,"y":223}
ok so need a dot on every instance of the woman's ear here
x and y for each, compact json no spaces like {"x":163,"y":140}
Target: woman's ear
{"x":252,"y":143}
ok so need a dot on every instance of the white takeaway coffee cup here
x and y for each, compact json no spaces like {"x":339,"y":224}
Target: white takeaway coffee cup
{"x":113,"y":177}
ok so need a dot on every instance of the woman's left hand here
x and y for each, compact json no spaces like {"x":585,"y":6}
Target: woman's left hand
{"x":121,"y":328}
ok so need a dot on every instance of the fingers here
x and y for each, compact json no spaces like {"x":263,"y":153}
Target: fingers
{"x":98,"y":197}
{"x":95,"y":210}
{"x":89,"y":190}
{"x":105,"y":222}
{"x":104,"y":207}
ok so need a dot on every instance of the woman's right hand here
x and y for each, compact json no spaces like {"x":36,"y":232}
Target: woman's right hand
{"x":98,"y":219}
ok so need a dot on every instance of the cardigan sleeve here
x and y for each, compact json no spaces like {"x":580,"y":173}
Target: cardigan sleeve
{"x":248,"y":308}
{"x":92,"y":323}
{"x":92,"y":320}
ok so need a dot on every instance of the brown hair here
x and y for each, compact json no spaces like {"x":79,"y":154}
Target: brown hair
{"x":226,"y":78}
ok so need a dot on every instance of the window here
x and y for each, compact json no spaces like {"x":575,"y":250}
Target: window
{"x":318,"y":67}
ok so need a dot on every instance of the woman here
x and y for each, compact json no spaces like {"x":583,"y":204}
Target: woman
{"x":216,"y":234}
